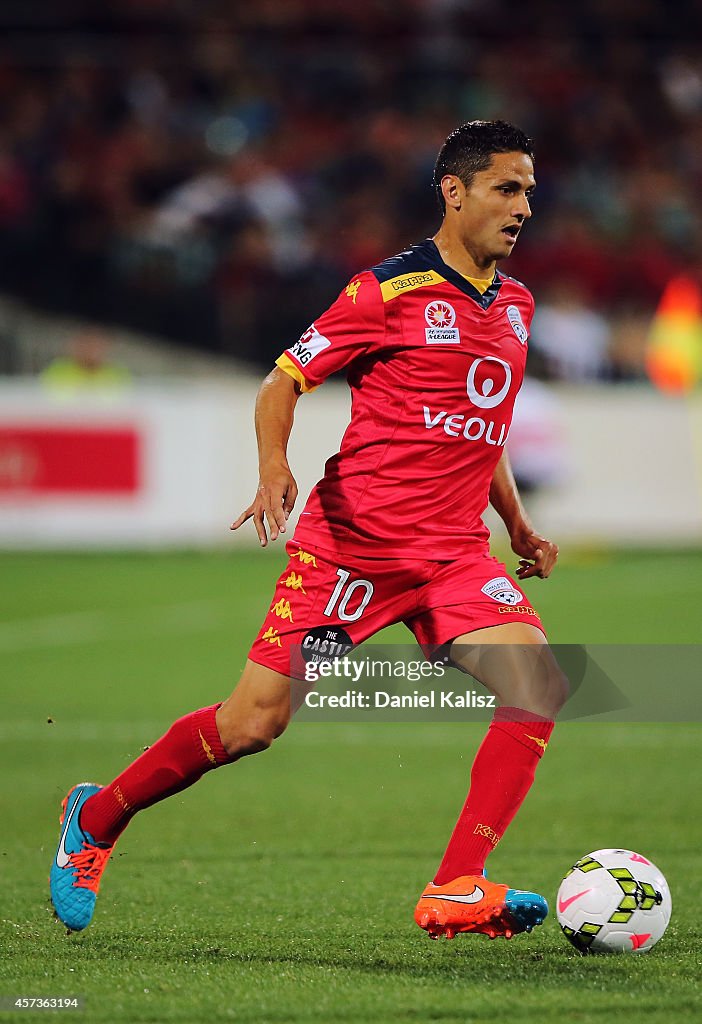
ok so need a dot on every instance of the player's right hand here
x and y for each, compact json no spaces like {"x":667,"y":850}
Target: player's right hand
{"x":274,"y":501}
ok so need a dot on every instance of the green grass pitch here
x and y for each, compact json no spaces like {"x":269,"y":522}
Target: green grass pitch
{"x":282,"y":889}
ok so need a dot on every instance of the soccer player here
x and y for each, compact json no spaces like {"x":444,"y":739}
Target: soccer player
{"x":434,"y":343}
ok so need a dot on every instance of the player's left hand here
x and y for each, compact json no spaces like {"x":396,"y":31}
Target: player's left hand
{"x":539,"y":555}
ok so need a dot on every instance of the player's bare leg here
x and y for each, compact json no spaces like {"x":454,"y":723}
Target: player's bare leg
{"x":93,"y":817}
{"x":515,"y":663}
{"x":258,"y":710}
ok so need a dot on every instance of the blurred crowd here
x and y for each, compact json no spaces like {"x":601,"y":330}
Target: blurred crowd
{"x":215,"y":172}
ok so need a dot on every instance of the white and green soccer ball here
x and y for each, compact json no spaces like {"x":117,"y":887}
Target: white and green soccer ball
{"x":614,"y":901}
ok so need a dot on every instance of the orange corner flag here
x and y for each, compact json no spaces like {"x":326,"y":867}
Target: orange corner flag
{"x":674,"y":351}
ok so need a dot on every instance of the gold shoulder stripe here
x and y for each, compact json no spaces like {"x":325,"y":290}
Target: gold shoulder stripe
{"x":408,"y":282}
{"x":286,"y":364}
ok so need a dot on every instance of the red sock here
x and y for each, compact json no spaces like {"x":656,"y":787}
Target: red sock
{"x":190,"y":748}
{"x":501,"y":777}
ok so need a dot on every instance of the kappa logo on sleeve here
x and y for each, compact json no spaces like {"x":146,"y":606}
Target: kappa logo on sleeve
{"x":500,"y":589}
{"x":309,"y":345}
{"x":352,"y":290}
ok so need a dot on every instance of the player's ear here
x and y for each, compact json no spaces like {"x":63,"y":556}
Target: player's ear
{"x":453,"y":190}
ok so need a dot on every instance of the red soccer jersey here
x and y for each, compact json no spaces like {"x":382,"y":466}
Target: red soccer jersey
{"x":434,"y":368}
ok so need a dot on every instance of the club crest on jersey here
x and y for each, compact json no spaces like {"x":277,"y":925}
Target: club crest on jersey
{"x":441,"y":316}
{"x":500,"y":589}
{"x":517,"y":324}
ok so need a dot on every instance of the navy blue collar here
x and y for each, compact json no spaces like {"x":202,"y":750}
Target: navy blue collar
{"x":425,"y":256}
{"x":484,"y":299}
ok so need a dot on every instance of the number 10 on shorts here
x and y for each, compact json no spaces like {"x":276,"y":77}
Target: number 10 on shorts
{"x":347,"y":589}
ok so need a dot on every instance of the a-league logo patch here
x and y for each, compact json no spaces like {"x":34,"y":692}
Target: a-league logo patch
{"x":517,"y":324}
{"x":441,"y":316}
{"x":501,"y":590}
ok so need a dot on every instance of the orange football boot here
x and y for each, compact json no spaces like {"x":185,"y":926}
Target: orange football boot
{"x":472,"y":904}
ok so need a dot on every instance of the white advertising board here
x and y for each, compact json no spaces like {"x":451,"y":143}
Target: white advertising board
{"x":165,"y":465}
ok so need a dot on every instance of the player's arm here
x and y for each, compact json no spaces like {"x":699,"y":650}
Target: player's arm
{"x":277,"y":490}
{"x":352,"y":326}
{"x":537,"y":554}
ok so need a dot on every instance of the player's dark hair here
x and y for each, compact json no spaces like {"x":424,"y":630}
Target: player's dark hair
{"x":470,"y":148}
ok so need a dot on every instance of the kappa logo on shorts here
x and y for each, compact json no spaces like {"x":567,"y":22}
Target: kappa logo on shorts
{"x":441,"y":316}
{"x":283,"y":609}
{"x":271,"y":635}
{"x":305,"y":557}
{"x":294,"y":582}
{"x":517,"y":324}
{"x":500,"y":589}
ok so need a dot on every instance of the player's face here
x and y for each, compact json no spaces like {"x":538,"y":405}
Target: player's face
{"x":492,"y":212}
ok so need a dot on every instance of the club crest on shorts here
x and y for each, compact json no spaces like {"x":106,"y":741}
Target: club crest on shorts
{"x":501,"y":590}
{"x":517,"y":324}
{"x":441,"y":316}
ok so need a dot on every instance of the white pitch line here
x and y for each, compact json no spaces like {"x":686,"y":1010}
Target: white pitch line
{"x":52,"y":631}
{"x":79,"y":628}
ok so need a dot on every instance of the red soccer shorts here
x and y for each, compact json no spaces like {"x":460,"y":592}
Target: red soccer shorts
{"x":320,"y":601}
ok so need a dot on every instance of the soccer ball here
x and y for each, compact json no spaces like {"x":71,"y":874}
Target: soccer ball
{"x":614,"y":901}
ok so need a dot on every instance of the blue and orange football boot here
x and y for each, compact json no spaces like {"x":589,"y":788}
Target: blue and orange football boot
{"x":472,"y":904}
{"x":78,"y":865}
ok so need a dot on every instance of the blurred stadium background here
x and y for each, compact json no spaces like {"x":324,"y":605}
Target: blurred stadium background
{"x":183,"y":187}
